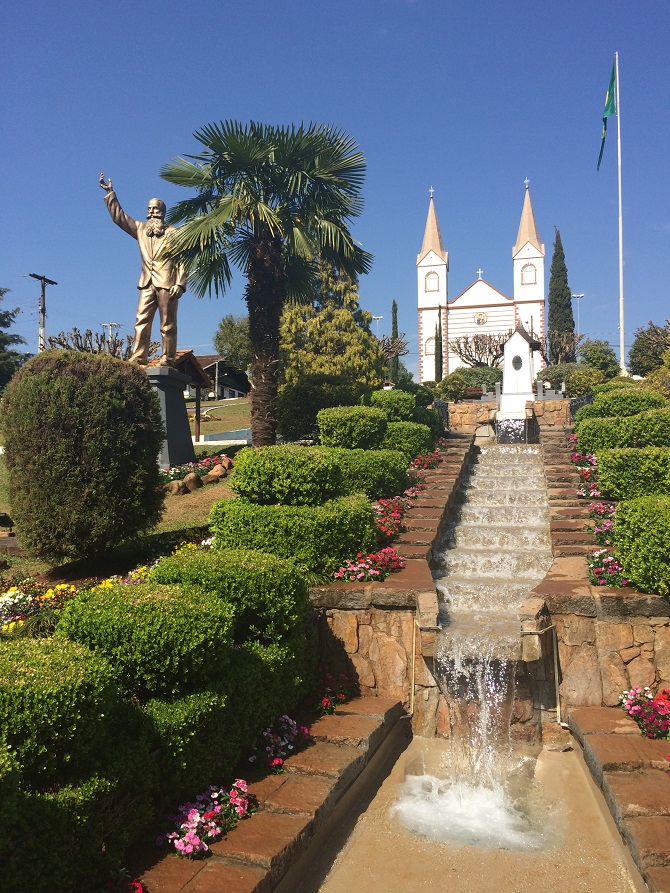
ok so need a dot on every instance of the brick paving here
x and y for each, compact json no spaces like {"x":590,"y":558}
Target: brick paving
{"x":255,"y":855}
{"x":633,"y":774}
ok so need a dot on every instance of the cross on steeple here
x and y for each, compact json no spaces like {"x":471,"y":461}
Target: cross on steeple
{"x":526,"y":182}
{"x":431,"y":192}
{"x":479,"y":273}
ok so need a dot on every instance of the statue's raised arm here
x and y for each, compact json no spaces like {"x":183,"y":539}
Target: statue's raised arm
{"x":106,"y":186}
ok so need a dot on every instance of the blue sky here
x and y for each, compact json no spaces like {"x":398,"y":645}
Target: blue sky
{"x":467,"y":97}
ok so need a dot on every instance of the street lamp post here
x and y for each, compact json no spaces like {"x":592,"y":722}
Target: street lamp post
{"x":376,"y":319}
{"x":578,"y":299}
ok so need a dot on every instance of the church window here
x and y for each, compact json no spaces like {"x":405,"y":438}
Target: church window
{"x":432,"y":281}
{"x":528,"y":275}
{"x":429,"y":350}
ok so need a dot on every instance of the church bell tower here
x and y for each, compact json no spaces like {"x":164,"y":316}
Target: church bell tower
{"x":432,"y":265}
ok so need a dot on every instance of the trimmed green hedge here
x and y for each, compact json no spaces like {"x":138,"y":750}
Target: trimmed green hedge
{"x":615,"y":384}
{"x":299,"y":404}
{"x":317,"y":538}
{"x":409,"y":438}
{"x":647,"y":429}
{"x":627,"y":401}
{"x":377,"y":473}
{"x":628,"y":473}
{"x":641,"y":537}
{"x":161,"y":640}
{"x":396,"y":405}
{"x":353,"y":427}
{"x":286,"y":474}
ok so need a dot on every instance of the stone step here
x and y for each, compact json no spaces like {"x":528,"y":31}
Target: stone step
{"x":572,"y":538}
{"x":572,"y":524}
{"x":567,"y":551}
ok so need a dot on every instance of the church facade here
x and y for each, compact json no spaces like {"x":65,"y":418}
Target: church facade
{"x":481,"y":308}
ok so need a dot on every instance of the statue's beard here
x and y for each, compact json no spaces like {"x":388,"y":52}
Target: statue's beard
{"x":155,"y":227}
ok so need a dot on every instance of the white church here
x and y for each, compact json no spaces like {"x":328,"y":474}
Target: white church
{"x":481,"y":308}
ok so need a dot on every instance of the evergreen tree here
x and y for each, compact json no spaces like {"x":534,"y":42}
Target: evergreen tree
{"x":650,"y":344}
{"x":394,"y":362}
{"x":561,"y":319}
{"x":599,"y":355}
{"x":231,"y":341}
{"x":439,"y":371}
{"x":10,"y":360}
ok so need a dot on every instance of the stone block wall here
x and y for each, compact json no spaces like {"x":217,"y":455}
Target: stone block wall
{"x":466,"y":418}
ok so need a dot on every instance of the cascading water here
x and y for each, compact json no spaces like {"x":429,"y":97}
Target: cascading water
{"x":486,"y":562}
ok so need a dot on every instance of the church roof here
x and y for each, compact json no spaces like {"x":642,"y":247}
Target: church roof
{"x":527,"y":228}
{"x":481,"y":285}
{"x":432,"y":238}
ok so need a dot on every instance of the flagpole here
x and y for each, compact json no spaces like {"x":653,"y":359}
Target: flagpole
{"x":622,"y":354}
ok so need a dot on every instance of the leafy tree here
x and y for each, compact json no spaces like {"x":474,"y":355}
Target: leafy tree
{"x":600,"y":355}
{"x":439,"y":371}
{"x":394,"y":362}
{"x":561,"y":318}
{"x":331,"y":336}
{"x":648,"y":348}
{"x":231,"y":341}
{"x":270,"y":200}
{"x":10,"y":360}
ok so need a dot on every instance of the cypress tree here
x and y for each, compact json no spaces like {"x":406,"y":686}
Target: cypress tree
{"x":394,"y":362}
{"x":561,"y":319}
{"x":439,"y":372}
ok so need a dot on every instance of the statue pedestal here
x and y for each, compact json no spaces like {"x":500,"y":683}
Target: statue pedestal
{"x":169,"y":384}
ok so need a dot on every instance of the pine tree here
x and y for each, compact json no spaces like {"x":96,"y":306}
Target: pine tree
{"x":394,"y":362}
{"x":439,"y":371}
{"x":10,"y":360}
{"x":561,"y":318}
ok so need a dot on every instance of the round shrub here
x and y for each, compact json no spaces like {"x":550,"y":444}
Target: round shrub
{"x":396,"y":405}
{"x":409,"y":438}
{"x":556,"y":374}
{"x":317,"y":538}
{"x":287,"y":474}
{"x":431,"y":419}
{"x":627,"y":401}
{"x":641,"y":537}
{"x":651,"y":428}
{"x":57,"y":703}
{"x":353,"y":427}
{"x":82,"y":436}
{"x":377,"y":473}
{"x":484,"y":377}
{"x":627,"y":473}
{"x":613,"y":383}
{"x":587,"y":412}
{"x":452,"y":388}
{"x":582,"y":379}
{"x":298,"y":404}
{"x":160,"y":639}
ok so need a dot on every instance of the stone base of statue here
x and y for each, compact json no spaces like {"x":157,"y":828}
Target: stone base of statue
{"x":169,"y":384}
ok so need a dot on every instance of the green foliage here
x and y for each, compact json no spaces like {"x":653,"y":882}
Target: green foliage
{"x":642,"y":535}
{"x":58,"y":703}
{"x":659,"y":379}
{"x":581,"y":380}
{"x":431,"y":419}
{"x":423,"y":395}
{"x":160,"y":640}
{"x":627,"y":473}
{"x":619,"y":381}
{"x":10,"y":360}
{"x":300,"y":403}
{"x":82,"y":435}
{"x":397,"y":405}
{"x":647,"y":429}
{"x":600,"y":355}
{"x":409,"y":438}
{"x":317,"y":538}
{"x":484,"y":377}
{"x":353,"y":427}
{"x":452,"y":388}
{"x":587,"y":412}
{"x":649,"y":345}
{"x":379,"y":474}
{"x":627,"y":401}
{"x":286,"y":474}
{"x":393,"y":367}
{"x":561,"y":318}
{"x":231,"y":341}
{"x":556,"y":374}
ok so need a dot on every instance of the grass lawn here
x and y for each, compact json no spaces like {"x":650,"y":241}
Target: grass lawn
{"x":227,"y":415}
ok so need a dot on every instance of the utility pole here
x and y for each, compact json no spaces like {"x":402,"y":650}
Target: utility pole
{"x":110,"y":326}
{"x":43,"y":307}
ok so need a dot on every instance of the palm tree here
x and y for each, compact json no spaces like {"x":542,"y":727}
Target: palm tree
{"x":270,"y":200}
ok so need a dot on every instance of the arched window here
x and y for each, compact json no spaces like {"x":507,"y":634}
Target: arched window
{"x":429,"y":349}
{"x":528,"y":275}
{"x":432,"y":281}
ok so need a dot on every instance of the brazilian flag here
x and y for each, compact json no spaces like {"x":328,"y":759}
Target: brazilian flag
{"x":610,"y":109}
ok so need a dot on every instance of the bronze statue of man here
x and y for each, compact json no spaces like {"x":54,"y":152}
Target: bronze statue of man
{"x":161,"y":282}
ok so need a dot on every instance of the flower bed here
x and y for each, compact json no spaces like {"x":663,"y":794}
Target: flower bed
{"x":651,"y":712}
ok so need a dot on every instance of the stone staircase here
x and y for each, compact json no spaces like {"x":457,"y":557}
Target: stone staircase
{"x":569,"y":515}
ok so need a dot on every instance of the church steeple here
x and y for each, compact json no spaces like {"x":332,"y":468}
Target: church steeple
{"x":527,"y":227}
{"x":432,"y":238}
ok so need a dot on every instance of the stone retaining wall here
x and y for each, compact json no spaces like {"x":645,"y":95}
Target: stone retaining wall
{"x":466,"y":418}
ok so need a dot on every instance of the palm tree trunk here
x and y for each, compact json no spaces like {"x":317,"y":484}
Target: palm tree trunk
{"x":265,"y":294}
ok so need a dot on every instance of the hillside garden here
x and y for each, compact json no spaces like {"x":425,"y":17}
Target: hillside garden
{"x":126,"y":693}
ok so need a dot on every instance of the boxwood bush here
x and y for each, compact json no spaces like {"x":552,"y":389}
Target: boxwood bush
{"x":409,"y":438}
{"x":317,"y":538}
{"x":377,"y":473}
{"x":353,"y":427}
{"x":298,"y":404}
{"x":627,"y":473}
{"x":286,"y":474}
{"x":431,"y":419}
{"x":641,"y":538}
{"x":627,"y":401}
{"x":82,"y":433}
{"x":650,"y":428}
{"x":396,"y":405}
{"x":161,"y":640}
